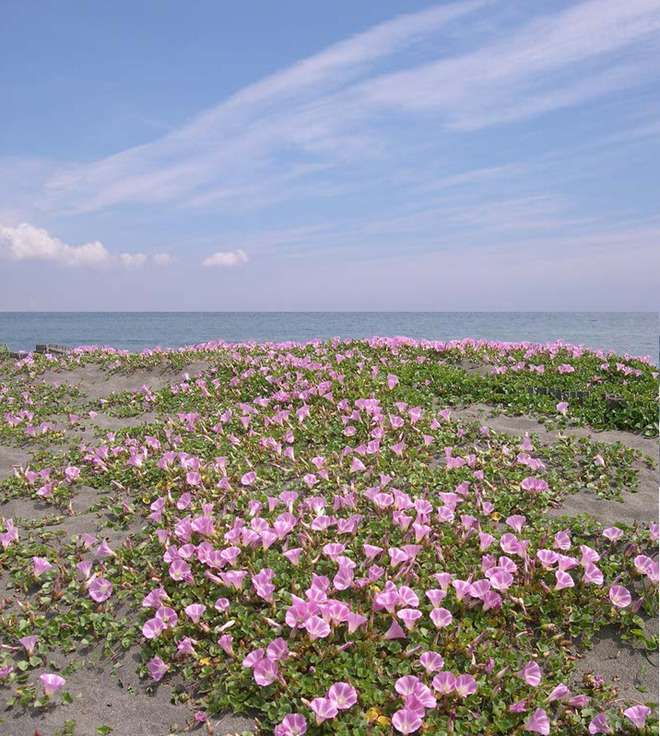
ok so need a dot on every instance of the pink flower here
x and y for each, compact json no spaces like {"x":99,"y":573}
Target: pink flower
{"x":407,"y":685}
{"x":153,"y":628}
{"x":343,"y":695}
{"x":538,"y":722}
{"x":436,"y":596}
{"x":637,"y":715}
{"x":316,"y":627}
{"x":561,"y":691}
{"x":51,"y":684}
{"x":531,"y":674}
{"x":323,"y":709}
{"x":157,"y":669}
{"x":357,"y":465}
{"x":432,"y":662}
{"x":292,"y":725}
{"x":226,"y":641}
{"x":465,"y":685}
{"x":406,"y":721}
{"x":620,"y":596}
{"x":409,"y":616}
{"x":277,"y":650}
{"x":500,"y":579}
{"x":249,"y":478}
{"x":395,"y":631}
{"x":612,"y":533}
{"x":392,"y":381}
{"x":562,"y":407}
{"x":444,"y":683}
{"x":100,"y":589}
{"x":167,"y":616}
{"x":592,"y":574}
{"x":71,"y":473}
{"x":564,"y":580}
{"x":29,"y":642}
{"x":598,"y":724}
{"x":103,"y":550}
{"x":441,"y":617}
{"x":253,"y":658}
{"x":195,"y":611}
{"x":40,"y":566}
{"x":534,"y":485}
{"x":265,"y":672}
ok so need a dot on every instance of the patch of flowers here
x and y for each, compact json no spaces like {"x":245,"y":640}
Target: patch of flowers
{"x":324,"y":545}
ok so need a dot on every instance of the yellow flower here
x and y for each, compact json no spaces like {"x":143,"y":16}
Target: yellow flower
{"x":205,"y":660}
{"x":145,"y":499}
{"x":496,"y":516}
{"x":383,"y":720}
{"x":372,"y":714}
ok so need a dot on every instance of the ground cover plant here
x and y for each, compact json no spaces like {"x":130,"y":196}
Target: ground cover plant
{"x":305,"y":533}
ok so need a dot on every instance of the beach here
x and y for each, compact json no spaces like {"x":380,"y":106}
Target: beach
{"x":383,"y":465}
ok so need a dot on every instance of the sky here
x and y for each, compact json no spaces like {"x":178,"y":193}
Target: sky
{"x":479,"y":155}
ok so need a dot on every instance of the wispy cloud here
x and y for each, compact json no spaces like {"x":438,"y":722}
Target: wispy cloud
{"x":532,"y":70}
{"x":324,"y":112}
{"x":300,"y":110}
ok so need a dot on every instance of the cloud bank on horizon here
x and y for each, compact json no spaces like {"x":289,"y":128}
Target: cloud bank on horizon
{"x":500,"y":147}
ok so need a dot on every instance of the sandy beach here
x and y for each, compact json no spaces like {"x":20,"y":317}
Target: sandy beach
{"x":98,"y":405}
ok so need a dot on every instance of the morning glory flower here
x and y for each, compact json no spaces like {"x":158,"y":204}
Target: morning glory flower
{"x":292,"y":725}
{"x":100,"y":589}
{"x":323,"y":709}
{"x":538,"y":722}
{"x":51,"y":684}
{"x":343,"y":695}
{"x":441,"y":617}
{"x":613,"y":533}
{"x":620,"y":596}
{"x":157,"y":668}
{"x":29,"y":642}
{"x":41,"y":565}
{"x":465,"y":685}
{"x":265,"y":672}
{"x":598,"y":724}
{"x":406,"y":721}
{"x":444,"y":683}
{"x":637,"y":715}
{"x":531,"y":674}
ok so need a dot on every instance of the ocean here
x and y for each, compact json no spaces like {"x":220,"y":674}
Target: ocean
{"x":636,"y":333}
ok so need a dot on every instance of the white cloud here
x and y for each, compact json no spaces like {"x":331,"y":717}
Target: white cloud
{"x":26,"y":242}
{"x":226,"y":258}
{"x":29,"y":243}
{"x":162,"y":259}
{"x":132,"y":259}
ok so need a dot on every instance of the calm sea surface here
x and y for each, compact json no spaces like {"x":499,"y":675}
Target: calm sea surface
{"x":636,"y":333}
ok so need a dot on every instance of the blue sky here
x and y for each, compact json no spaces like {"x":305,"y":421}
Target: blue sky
{"x":477,"y":155}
